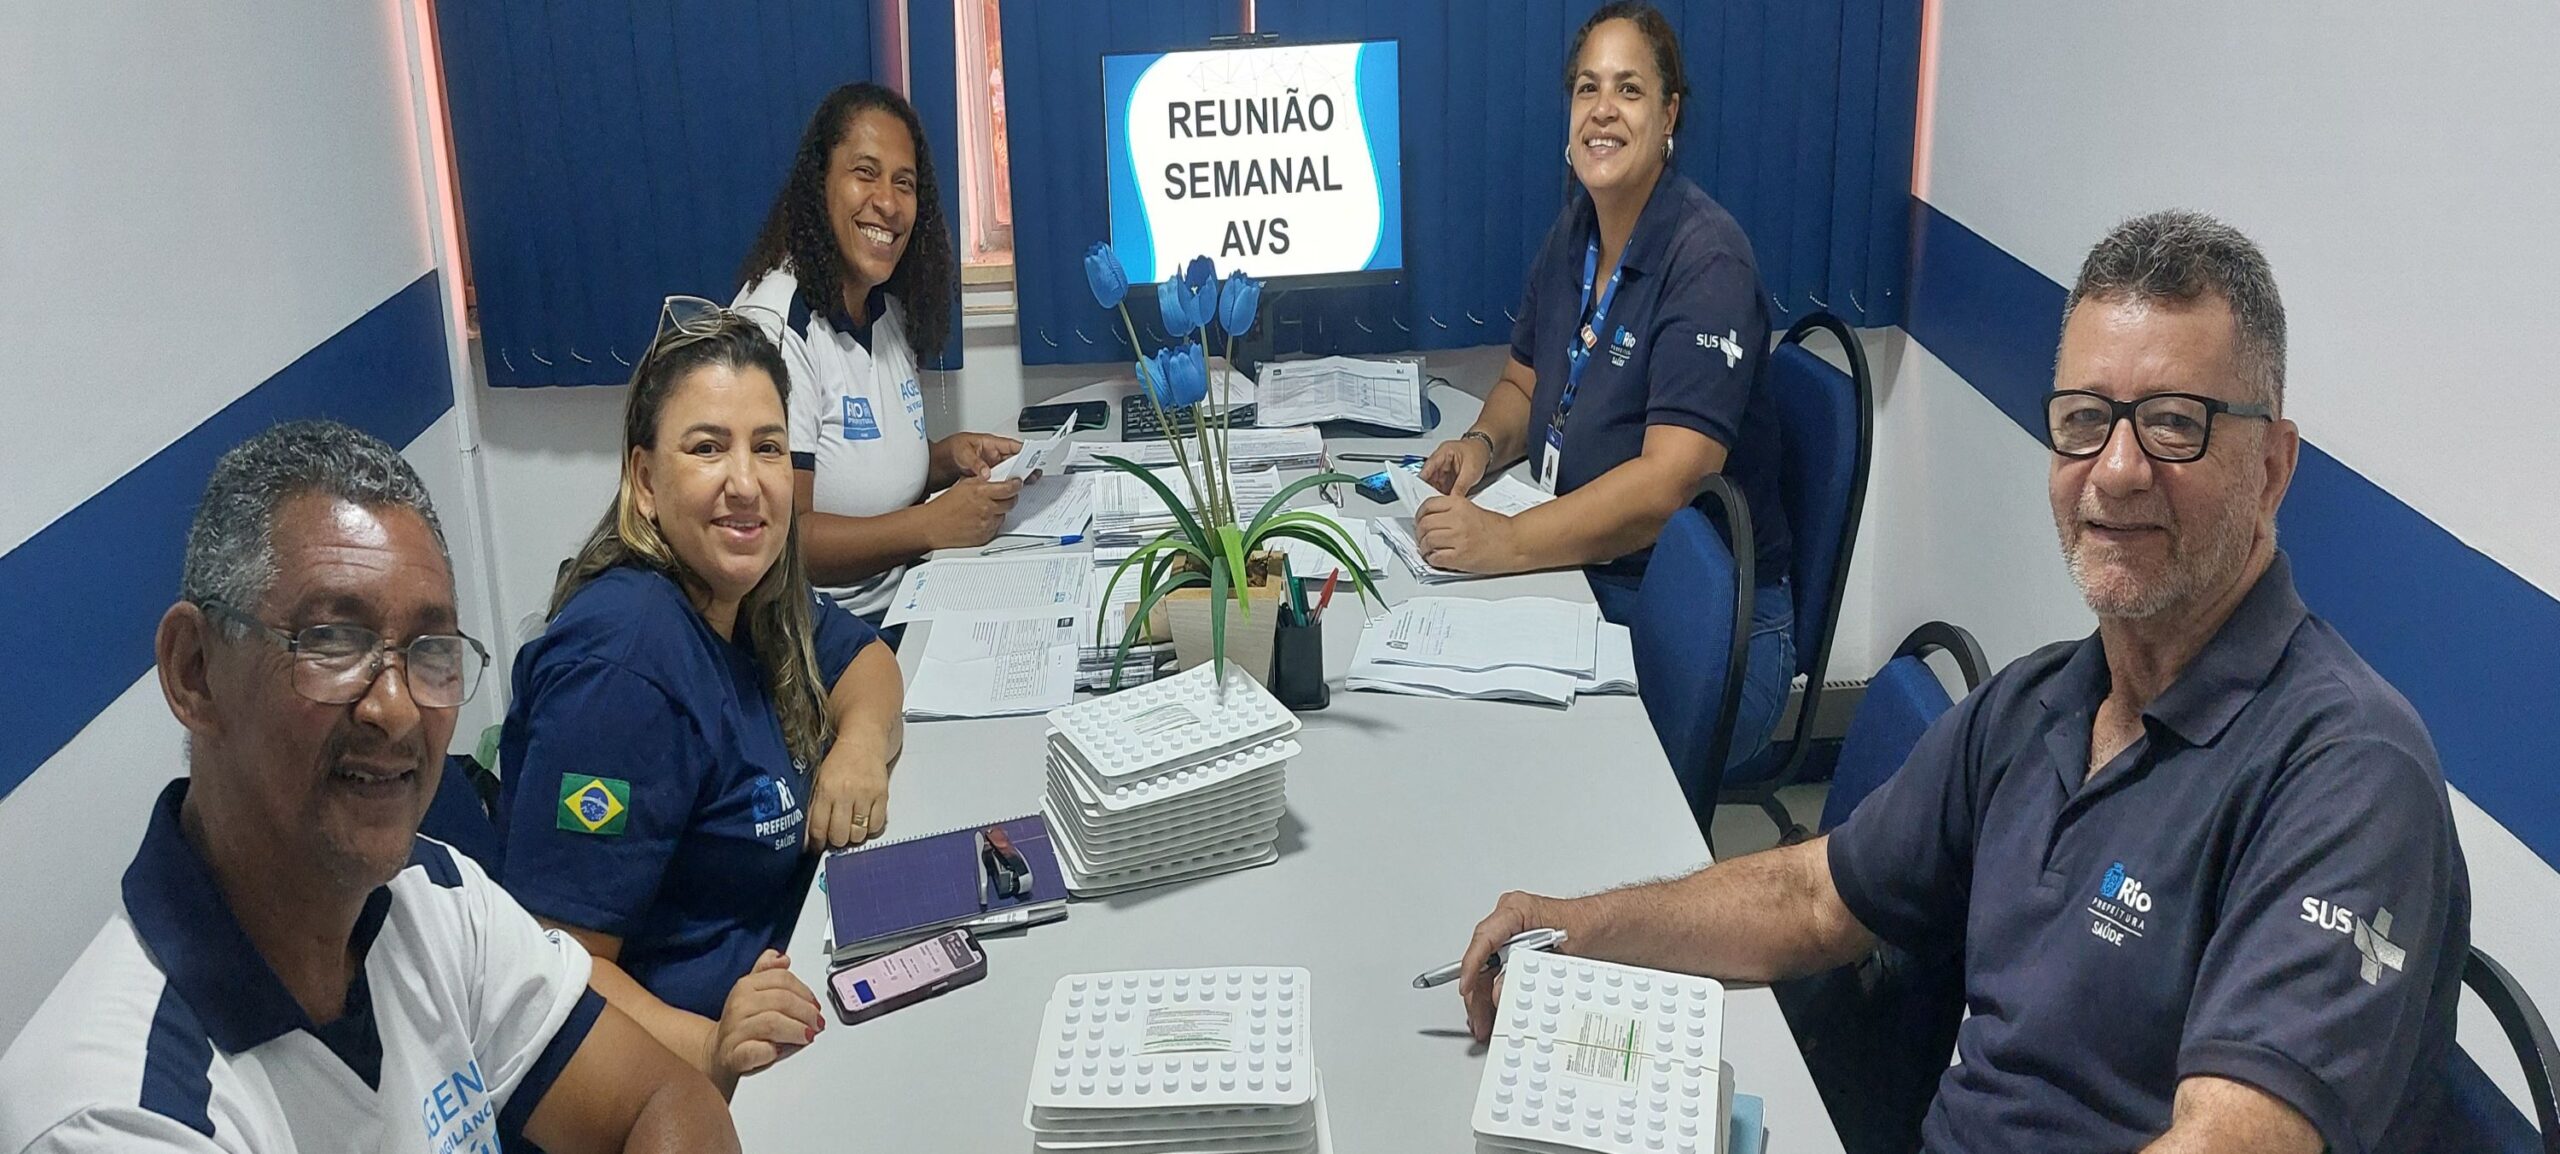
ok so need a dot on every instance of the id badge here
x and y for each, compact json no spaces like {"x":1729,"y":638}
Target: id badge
{"x":1548,"y":460}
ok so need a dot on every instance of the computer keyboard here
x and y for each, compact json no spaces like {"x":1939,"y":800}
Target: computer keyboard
{"x":1140,"y":420}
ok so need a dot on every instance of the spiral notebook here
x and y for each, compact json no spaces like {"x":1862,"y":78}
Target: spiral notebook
{"x":883,"y":896}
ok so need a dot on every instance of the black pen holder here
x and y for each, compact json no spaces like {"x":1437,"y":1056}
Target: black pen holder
{"x":1297,"y":665}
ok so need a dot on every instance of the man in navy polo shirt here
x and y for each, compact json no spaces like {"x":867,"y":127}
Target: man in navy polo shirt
{"x":2200,"y":866}
{"x":293,"y":968}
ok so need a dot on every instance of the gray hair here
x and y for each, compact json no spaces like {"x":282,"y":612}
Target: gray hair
{"x":2181,"y":256}
{"x":231,"y":550}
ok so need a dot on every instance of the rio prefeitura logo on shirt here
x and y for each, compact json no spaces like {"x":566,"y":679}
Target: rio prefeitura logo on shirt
{"x":597,"y":805}
{"x":2121,"y":909}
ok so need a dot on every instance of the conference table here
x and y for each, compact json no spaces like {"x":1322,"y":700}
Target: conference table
{"x":1407,"y":817}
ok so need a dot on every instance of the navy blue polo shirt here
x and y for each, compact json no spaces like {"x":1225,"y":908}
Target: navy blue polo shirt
{"x":2265,"y":887}
{"x":648,"y":792}
{"x":1685,"y":338}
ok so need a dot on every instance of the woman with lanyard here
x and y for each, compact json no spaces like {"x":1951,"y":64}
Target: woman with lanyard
{"x":694,"y":725}
{"x":1635,"y":366}
{"x":856,"y":243}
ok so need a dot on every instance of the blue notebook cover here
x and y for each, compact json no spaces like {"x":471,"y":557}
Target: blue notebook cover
{"x":904,"y":889}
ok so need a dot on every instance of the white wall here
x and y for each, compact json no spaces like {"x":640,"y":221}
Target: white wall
{"x":202,"y":195}
{"x":2388,"y":160}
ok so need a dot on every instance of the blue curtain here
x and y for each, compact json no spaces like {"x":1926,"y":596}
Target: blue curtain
{"x":613,"y":153}
{"x":1053,"y":128}
{"x":1799,"y":121}
{"x":933,"y":86}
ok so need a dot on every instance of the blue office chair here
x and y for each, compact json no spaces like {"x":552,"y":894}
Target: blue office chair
{"x":1692,"y":639}
{"x":1826,"y":421}
{"x":2477,"y":1116}
{"x":1901,"y":702}
{"x":1877,"y":1033}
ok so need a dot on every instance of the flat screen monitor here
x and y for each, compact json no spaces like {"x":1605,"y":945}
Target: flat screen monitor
{"x":1283,"y":161}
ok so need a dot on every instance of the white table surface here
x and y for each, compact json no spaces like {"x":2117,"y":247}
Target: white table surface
{"x":1407,"y":817}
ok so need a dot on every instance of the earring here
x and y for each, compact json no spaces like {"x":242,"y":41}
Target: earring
{"x":1668,"y":144}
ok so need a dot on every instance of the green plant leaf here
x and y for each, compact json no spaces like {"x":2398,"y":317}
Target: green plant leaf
{"x":1148,"y":556}
{"x":1317,"y":537}
{"x":1281,"y":499}
{"x":1147,"y":605}
{"x":1239,"y":576}
{"x":1181,"y":513}
{"x":1218,"y":586}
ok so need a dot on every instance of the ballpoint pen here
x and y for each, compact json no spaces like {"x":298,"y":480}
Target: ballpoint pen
{"x":1384,"y":458}
{"x":1524,"y":940}
{"x":1043,"y":543}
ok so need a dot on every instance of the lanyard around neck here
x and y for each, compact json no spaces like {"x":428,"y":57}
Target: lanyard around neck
{"x":1578,"y":352}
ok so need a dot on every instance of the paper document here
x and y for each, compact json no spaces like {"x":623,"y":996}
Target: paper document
{"x":1046,"y":457}
{"x":1246,"y":449}
{"x":1506,"y":683}
{"x":1613,"y":662}
{"x":1311,"y":563}
{"x":960,"y":585}
{"x":1467,"y":634}
{"x":1056,"y":505}
{"x":996,"y":666}
{"x":1507,"y":495}
{"x":1383,"y":393}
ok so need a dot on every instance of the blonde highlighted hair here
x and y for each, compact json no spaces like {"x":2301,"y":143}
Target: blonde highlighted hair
{"x":777,"y":612}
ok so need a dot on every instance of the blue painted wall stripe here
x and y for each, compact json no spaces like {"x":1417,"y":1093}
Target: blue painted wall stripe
{"x":80,"y":600}
{"x":2468,"y":641}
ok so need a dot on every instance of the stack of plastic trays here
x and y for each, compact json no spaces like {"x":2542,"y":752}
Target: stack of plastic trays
{"x":1178,"y":779}
{"x":1602,"y":1058}
{"x":1215,"y":1061}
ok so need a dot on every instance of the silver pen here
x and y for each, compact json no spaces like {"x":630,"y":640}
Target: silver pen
{"x":1524,"y":940}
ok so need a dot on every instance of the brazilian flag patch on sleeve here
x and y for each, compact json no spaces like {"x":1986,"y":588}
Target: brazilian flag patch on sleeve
{"x":597,"y":805}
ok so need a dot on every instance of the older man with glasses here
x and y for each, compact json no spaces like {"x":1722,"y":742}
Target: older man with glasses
{"x":293,"y":967}
{"x":2199,"y":868}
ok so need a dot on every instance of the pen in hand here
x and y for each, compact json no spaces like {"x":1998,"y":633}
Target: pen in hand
{"x":1543,"y":939}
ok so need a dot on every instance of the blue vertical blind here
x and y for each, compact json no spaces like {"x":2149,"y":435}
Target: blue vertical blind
{"x":613,"y":153}
{"x":1799,"y":120}
{"x":933,"y":86}
{"x":1053,"y":127}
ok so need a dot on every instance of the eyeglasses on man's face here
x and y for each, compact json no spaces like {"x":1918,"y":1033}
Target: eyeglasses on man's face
{"x":336,"y":664}
{"x":2172,"y":428}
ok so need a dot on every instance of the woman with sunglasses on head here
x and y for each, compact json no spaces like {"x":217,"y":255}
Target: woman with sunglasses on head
{"x":1635,"y":367}
{"x":856,"y":244}
{"x":694,"y":725}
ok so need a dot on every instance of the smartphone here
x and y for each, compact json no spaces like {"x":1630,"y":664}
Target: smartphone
{"x":866,"y":990}
{"x":1042,"y":418}
{"x":1377,"y":487}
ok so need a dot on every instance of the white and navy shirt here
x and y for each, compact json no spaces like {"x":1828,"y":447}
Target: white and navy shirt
{"x":172,"y":1033}
{"x":857,"y":414}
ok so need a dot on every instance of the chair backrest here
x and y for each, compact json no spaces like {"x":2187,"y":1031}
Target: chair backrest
{"x":1684,"y":637}
{"x":1901,"y":702}
{"x":2477,"y":1115}
{"x":1826,"y":425}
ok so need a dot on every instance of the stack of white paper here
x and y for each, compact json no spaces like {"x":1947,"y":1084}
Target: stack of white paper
{"x":1314,"y":564}
{"x":1507,"y":495}
{"x":1100,"y":653}
{"x":1533,"y":649}
{"x":1127,"y":512}
{"x":1387,"y":394}
{"x":1181,"y":778}
{"x":1044,"y":456}
{"x":957,"y":586}
{"x":1246,"y":450}
{"x":995,"y":665}
{"x":1217,"y":1061}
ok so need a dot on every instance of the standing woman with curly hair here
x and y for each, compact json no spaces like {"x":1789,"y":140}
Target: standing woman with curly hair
{"x":855,"y":266}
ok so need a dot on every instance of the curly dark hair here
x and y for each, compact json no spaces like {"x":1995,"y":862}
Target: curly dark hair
{"x":1658,"y":35}
{"x":928,"y":276}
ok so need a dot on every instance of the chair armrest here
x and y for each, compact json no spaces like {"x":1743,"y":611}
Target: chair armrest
{"x":1737,"y":519}
{"x":1956,"y":640}
{"x":2526,"y":1031}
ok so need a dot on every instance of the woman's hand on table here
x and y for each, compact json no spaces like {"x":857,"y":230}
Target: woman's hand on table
{"x":849,"y":796}
{"x":970,"y":512}
{"x":769,"y":1015}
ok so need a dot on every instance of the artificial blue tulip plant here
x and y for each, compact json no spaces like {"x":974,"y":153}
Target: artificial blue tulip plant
{"x":1210,"y":548}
